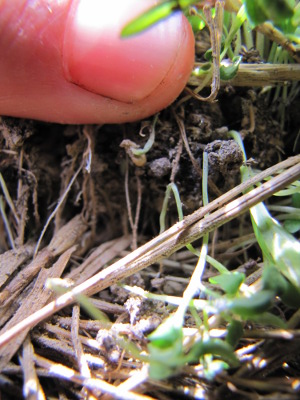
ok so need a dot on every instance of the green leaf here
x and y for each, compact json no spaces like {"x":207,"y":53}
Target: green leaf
{"x":248,"y":307}
{"x":205,"y":68}
{"x":158,"y":370}
{"x":296,"y":198}
{"x":268,"y":319}
{"x":155,"y":14}
{"x":279,"y":247}
{"x":148,"y":18}
{"x":196,"y":22}
{"x":279,"y":10}
{"x":292,"y":225}
{"x":170,"y":356}
{"x":291,"y":296}
{"x":208,"y":55}
{"x":296,"y":17}
{"x":165,"y":349}
{"x":228,"y":72}
{"x":276,"y":11}
{"x":216,"y":347}
{"x":255,"y":11}
{"x":229,"y":282}
{"x":234,"y":332}
{"x":274,"y":280}
{"x":166,"y":334}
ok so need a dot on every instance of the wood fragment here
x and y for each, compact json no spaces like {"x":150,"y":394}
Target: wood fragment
{"x":95,"y":385}
{"x":65,"y":238}
{"x":258,"y":75}
{"x":37,"y":298}
{"x":11,"y":260}
{"x":100,"y":257}
{"x":32,"y":389}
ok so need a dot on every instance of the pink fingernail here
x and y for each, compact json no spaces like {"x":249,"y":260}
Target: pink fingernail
{"x":98,"y":60}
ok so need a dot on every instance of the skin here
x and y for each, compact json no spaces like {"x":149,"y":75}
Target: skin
{"x":64,"y":61}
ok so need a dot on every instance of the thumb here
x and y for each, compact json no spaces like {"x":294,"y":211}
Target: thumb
{"x":64,"y":61}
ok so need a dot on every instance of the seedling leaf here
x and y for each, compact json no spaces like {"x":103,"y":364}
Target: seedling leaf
{"x":228,"y":72}
{"x":229,"y":282}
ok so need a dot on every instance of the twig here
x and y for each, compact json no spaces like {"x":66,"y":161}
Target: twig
{"x":80,"y":356}
{"x":215,"y":26}
{"x":31,"y":387}
{"x":176,"y":160}
{"x":60,"y":371}
{"x":133,"y":223}
{"x":37,"y":297}
{"x":6,"y":224}
{"x":137,"y":211}
{"x":275,"y":35}
{"x":8,"y":198}
{"x":60,"y":202}
{"x":257,"y":75}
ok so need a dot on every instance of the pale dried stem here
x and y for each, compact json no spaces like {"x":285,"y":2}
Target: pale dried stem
{"x":59,"y":204}
{"x":95,"y":385}
{"x":175,"y":163}
{"x":8,"y":198}
{"x":278,"y":37}
{"x":257,"y":75}
{"x":33,"y":302}
{"x":31,"y":387}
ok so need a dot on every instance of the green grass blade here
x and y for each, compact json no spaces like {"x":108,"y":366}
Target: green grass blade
{"x":148,"y":18}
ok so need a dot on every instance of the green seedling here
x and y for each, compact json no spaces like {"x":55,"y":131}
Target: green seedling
{"x":274,"y":280}
{"x":248,"y":307}
{"x":234,"y":332}
{"x":280,"y":249}
{"x":135,"y":152}
{"x":229,"y":282}
{"x":280,"y":12}
{"x":229,"y":71}
{"x":166,"y":351}
{"x":293,"y":225}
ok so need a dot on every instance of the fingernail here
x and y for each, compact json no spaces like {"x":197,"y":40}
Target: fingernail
{"x":98,"y":60}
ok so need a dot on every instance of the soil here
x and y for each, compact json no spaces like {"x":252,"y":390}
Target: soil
{"x":39,"y":160}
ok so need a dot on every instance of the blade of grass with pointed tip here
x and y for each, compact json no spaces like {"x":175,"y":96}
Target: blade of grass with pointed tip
{"x":148,"y":18}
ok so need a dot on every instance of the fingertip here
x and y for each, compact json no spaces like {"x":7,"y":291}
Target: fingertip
{"x":127,"y":70}
{"x":38,"y":70}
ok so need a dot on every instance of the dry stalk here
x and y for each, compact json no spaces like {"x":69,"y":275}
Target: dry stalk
{"x":222,"y":210}
{"x":11,"y":260}
{"x":133,"y":222}
{"x":31,"y":387}
{"x":215,"y":26}
{"x":8,"y":198}
{"x":33,"y":302}
{"x":95,"y":385}
{"x":66,"y":237}
{"x":257,"y":75}
{"x":270,"y":385}
{"x":275,"y":35}
{"x":59,"y":204}
{"x":7,"y":224}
